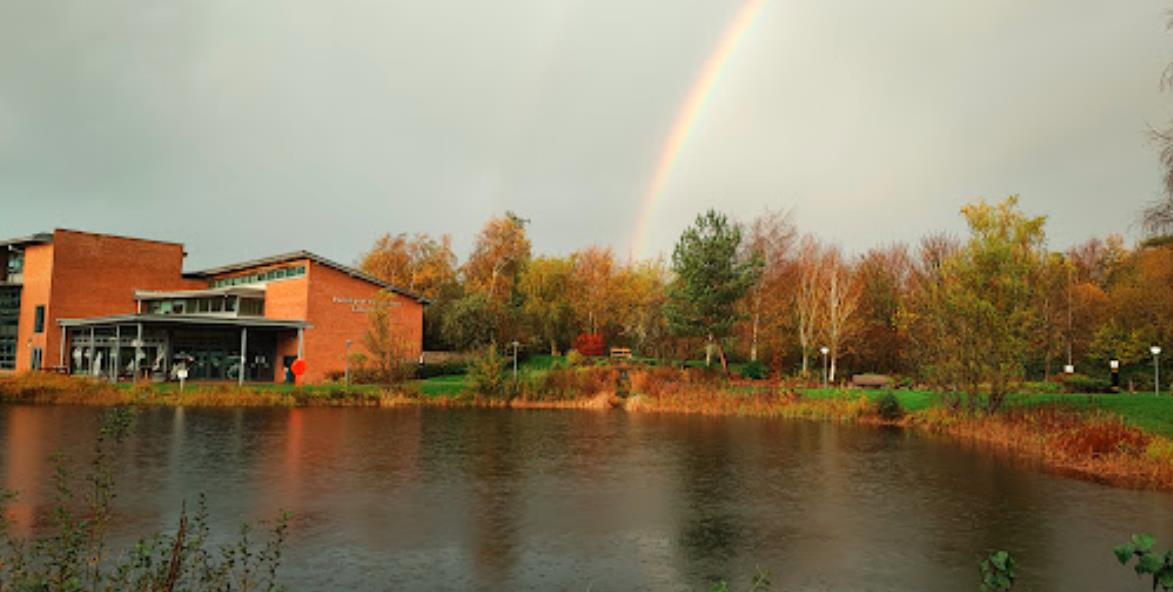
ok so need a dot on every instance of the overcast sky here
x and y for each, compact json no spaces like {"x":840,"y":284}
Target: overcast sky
{"x":245,"y":129}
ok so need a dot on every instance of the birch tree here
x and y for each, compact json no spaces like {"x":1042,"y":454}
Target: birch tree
{"x":771,"y":236}
{"x":807,"y":298}
{"x":842,"y":300}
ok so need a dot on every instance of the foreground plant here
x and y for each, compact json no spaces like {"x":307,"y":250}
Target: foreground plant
{"x":1149,"y":563}
{"x":997,"y":572}
{"x":759,"y":583}
{"x":73,"y":554}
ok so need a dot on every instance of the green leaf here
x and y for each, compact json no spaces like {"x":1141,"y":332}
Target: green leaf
{"x":999,"y":560}
{"x":1143,"y":542}
{"x":1124,"y":553}
{"x":1149,"y":564}
{"x":1166,"y":578}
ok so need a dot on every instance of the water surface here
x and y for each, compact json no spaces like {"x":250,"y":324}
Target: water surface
{"x":460,"y":499}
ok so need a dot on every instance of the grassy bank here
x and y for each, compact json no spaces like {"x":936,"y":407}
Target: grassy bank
{"x":51,"y":388}
{"x":1121,"y":439}
{"x":1149,"y":412}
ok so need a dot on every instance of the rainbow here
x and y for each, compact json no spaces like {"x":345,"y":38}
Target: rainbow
{"x":686,"y":118}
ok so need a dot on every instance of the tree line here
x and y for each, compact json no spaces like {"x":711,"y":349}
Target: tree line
{"x":977,"y":312}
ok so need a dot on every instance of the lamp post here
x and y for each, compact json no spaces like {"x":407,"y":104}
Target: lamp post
{"x":1156,"y":350}
{"x":1115,"y":366}
{"x":347,"y":362}
{"x":825,"y":350}
{"x":515,"y":344}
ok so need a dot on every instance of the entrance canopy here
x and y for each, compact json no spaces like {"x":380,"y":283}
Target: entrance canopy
{"x":172,"y":319}
{"x":160,"y":345}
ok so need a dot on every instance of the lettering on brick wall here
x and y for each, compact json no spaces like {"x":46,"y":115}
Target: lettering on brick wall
{"x":363,"y":304}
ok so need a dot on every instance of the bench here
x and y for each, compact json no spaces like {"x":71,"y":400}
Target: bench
{"x":870,"y":381}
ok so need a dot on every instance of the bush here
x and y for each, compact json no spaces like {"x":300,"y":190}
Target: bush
{"x":754,"y":370}
{"x":571,"y":383}
{"x":1079,"y":383}
{"x":888,"y":407}
{"x":574,"y":358}
{"x":590,"y":344}
{"x":484,"y":373}
{"x":451,"y":368}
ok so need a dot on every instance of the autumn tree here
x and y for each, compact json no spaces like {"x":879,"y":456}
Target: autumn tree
{"x":808,"y":300}
{"x":710,"y":278}
{"x":468,"y":323}
{"x":546,"y":286}
{"x":885,"y":277}
{"x":494,"y":268}
{"x":420,"y":263}
{"x":1142,"y":300}
{"x":770,"y":238}
{"x":927,"y":331}
{"x":501,"y":253}
{"x":638,"y":301}
{"x":985,"y":301}
{"x":387,"y":348}
{"x":1054,"y":312}
{"x":840,"y":292}
{"x":594,"y":270}
{"x":1157,"y":218}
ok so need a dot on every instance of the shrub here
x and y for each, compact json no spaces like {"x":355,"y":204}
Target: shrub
{"x":564,"y":384}
{"x":450,"y":368}
{"x":888,"y":407}
{"x":1079,"y":383}
{"x":590,"y":344}
{"x":574,"y":358}
{"x":1102,"y":437}
{"x":484,"y":373}
{"x":754,"y":370}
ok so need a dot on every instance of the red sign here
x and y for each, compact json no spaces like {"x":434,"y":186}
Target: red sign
{"x":297,"y":367}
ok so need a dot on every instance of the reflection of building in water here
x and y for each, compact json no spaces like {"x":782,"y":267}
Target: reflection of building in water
{"x":119,"y":307}
{"x":495,"y":532}
{"x":25,"y":466}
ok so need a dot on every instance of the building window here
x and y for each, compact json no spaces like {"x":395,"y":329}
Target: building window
{"x":9,"y":321}
{"x":39,"y":319}
{"x":261,"y":276}
{"x":15,"y":264}
{"x":37,"y":358}
{"x":252,"y":307}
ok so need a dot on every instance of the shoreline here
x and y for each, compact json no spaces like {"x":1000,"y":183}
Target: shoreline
{"x":1092,"y":445}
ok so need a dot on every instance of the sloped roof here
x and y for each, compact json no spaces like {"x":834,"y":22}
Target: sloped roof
{"x":40,"y":237}
{"x":298,"y":255}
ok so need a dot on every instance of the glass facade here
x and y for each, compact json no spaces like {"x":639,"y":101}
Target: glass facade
{"x":14,"y":265}
{"x":206,"y":353}
{"x":9,"y":317}
{"x":261,"y":276}
{"x":211,"y":305}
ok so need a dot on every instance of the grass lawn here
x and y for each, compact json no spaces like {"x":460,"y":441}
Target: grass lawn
{"x":1149,"y":412}
{"x":910,"y":400}
{"x":443,"y":386}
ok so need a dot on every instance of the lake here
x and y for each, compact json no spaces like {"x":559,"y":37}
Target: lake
{"x":490,"y":499}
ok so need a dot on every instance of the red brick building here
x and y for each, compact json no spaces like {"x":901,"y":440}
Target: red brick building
{"x":118,"y":307}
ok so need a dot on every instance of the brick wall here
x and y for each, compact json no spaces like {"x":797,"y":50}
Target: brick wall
{"x":81,"y":274}
{"x":339,"y":310}
{"x":38,"y":283}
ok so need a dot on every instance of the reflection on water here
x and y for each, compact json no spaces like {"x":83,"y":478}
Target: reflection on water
{"x":457,"y":499}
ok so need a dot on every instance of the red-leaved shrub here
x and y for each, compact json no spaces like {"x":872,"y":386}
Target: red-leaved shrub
{"x":589,"y":344}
